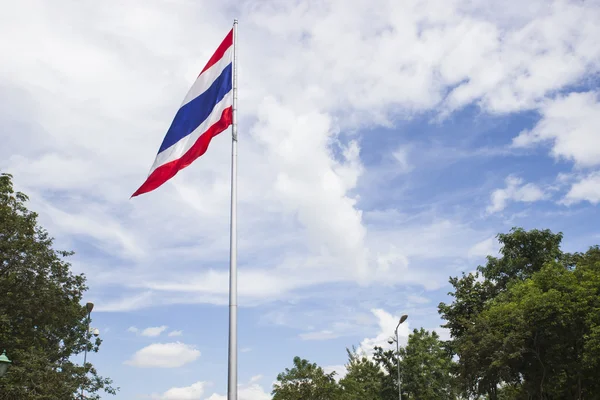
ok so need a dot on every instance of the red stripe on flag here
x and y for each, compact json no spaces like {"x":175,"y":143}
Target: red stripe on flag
{"x":165,"y":172}
{"x":225,"y":44}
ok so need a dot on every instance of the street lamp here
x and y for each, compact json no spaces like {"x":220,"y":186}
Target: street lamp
{"x":89,"y":307}
{"x":392,"y":340}
{"x":4,"y":363}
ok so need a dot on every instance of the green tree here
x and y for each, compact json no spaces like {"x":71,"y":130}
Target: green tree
{"x":386,"y":360}
{"x":42,"y":323}
{"x":544,"y":331}
{"x":471,"y":295}
{"x":522,"y":253}
{"x":364,"y":379}
{"x":527,"y":327}
{"x":305,"y":381}
{"x":426,"y":366}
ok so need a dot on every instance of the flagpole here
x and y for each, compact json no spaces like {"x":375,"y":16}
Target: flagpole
{"x":232,"y":391}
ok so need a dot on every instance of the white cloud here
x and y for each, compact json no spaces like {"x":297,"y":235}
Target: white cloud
{"x":487,"y":247}
{"x":515,"y":62}
{"x":516,"y":191}
{"x":319,"y":335}
{"x":586,"y":189}
{"x":253,"y":392}
{"x":215,"y":396}
{"x":340,"y":371}
{"x":301,"y":220}
{"x":387,"y":329}
{"x":249,"y":391}
{"x":175,"y":333}
{"x":92,"y":101}
{"x":193,"y":392}
{"x":413,"y":258}
{"x":154,"y":331}
{"x":443,"y":333}
{"x":164,"y":355}
{"x":126,"y":302}
{"x":569,"y":124}
{"x":416,"y":299}
{"x":132,"y":329}
{"x":389,"y":264}
{"x":401,"y":155}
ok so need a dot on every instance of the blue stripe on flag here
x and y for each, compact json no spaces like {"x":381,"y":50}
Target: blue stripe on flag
{"x":192,"y":114}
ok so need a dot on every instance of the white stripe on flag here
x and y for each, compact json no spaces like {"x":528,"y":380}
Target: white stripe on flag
{"x":180,"y":148}
{"x":207,"y":78}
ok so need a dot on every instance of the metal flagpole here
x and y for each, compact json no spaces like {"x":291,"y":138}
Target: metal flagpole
{"x":232,"y":364}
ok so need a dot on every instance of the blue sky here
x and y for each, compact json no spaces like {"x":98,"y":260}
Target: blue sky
{"x":383,"y":145}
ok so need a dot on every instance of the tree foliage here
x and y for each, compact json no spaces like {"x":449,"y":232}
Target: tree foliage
{"x":387,"y":361}
{"x":42,"y":323}
{"x":364,"y":380}
{"x":528,"y":325}
{"x":305,"y":380}
{"x":426,"y":367}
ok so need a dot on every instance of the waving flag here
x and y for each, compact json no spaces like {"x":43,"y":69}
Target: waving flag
{"x":209,"y":108}
{"x":205,"y":112}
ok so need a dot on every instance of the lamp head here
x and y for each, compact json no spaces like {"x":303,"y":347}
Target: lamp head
{"x":4,"y":363}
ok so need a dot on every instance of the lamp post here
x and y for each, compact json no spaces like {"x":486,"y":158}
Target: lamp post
{"x":402,"y":319}
{"x":4,"y":363}
{"x":89,"y":307}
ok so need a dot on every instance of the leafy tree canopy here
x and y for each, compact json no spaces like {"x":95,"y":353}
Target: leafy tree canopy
{"x":42,"y":323}
{"x":364,"y":378}
{"x":305,"y":380}
{"x":527,"y":327}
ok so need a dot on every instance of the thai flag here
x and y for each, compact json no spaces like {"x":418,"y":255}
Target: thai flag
{"x":206,"y":111}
